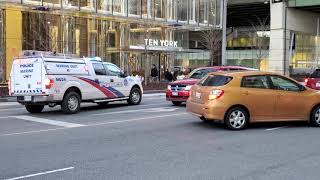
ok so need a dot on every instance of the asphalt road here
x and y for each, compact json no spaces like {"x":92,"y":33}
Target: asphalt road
{"x":154,"y":140}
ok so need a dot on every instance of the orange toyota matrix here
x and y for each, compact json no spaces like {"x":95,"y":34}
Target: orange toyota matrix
{"x":238,"y":98}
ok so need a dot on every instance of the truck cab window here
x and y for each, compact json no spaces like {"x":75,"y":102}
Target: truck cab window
{"x":112,"y":70}
{"x":99,"y":69}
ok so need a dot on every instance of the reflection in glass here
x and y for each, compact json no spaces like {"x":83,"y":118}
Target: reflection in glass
{"x":104,"y":6}
{"x":52,"y":3}
{"x":70,"y":4}
{"x":88,"y":5}
{"x":171,"y":10}
{"x":203,"y":12}
{"x":182,"y":10}
{"x":2,"y":48}
{"x":33,"y":2}
{"x":212,"y":5}
{"x":159,"y":8}
{"x":119,"y":7}
{"x":134,"y":7}
{"x":192,"y":11}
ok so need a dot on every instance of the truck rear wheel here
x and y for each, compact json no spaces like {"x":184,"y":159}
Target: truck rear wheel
{"x":71,"y":103}
{"x":34,"y":108}
{"x":135,"y":96}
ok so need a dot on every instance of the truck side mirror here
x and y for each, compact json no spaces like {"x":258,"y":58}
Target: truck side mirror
{"x":123,"y":74}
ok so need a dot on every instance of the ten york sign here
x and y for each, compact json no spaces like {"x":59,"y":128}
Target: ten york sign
{"x":164,"y":43}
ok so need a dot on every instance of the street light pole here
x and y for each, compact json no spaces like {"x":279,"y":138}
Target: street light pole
{"x":224,"y":32}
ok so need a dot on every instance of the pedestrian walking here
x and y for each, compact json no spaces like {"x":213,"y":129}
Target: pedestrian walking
{"x":154,"y":73}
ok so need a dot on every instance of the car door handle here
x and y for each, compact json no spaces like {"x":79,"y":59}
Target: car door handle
{"x":97,"y":81}
{"x":246,"y":93}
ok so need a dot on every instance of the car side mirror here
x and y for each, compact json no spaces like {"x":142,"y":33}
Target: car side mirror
{"x":123,"y":74}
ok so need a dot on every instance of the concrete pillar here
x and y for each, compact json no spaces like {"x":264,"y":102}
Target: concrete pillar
{"x":279,"y":40}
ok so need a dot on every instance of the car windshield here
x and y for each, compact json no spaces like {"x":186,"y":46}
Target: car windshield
{"x":216,"y":80}
{"x":200,"y":73}
{"x":315,"y":74}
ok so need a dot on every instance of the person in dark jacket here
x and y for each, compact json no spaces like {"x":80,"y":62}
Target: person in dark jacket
{"x":154,"y":73}
{"x":168,"y":75}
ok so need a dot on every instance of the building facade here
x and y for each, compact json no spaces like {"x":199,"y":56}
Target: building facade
{"x":134,"y":34}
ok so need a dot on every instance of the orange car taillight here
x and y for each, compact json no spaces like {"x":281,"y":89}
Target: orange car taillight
{"x":48,"y":83}
{"x":216,"y":94}
{"x":306,"y":80}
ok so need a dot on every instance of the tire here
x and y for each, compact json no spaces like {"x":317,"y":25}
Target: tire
{"x":176,"y":103}
{"x":33,"y":109}
{"x":236,"y":118}
{"x":71,"y":103}
{"x":315,"y":117}
{"x":135,"y":96}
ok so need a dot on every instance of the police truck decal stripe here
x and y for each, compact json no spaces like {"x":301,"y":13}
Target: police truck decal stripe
{"x":119,"y":94}
{"x":105,"y":91}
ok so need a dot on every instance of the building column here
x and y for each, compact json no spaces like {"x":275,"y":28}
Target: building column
{"x":13,"y":37}
{"x":279,"y":39}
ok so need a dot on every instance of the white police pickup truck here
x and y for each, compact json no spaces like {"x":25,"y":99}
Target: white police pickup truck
{"x":43,"y":79}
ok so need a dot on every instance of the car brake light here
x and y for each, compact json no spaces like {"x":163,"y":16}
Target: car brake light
{"x":216,"y":94}
{"x":169,"y":87}
{"x":48,"y":83}
{"x":306,"y":80}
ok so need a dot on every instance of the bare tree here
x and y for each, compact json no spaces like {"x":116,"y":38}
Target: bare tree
{"x":212,"y":40}
{"x":259,"y":33}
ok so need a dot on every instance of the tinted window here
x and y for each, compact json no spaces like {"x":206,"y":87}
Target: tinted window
{"x":112,"y":70}
{"x":99,"y":69}
{"x":199,"y":74}
{"x":255,"y":82}
{"x":315,"y":74}
{"x":216,"y":80}
{"x":284,"y":84}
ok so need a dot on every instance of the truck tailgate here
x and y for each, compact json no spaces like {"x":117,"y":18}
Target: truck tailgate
{"x":26,"y":77}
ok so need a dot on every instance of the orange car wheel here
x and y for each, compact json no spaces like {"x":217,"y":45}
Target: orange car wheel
{"x":236,"y":118}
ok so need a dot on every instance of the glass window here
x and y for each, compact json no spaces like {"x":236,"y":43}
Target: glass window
{"x":88,"y":5}
{"x":255,"y":82}
{"x":182,"y":10}
{"x":134,"y":7}
{"x":216,"y":80}
{"x":112,"y":70}
{"x":171,"y":10}
{"x":104,"y":6}
{"x":159,"y":9}
{"x":33,"y":2}
{"x":212,"y":11}
{"x":281,"y":83}
{"x":203,"y":12}
{"x":2,"y":48}
{"x":315,"y":74}
{"x":200,"y":73}
{"x":192,"y":11}
{"x":52,"y":3}
{"x":119,"y":7}
{"x":70,"y":4}
{"x":99,"y":69}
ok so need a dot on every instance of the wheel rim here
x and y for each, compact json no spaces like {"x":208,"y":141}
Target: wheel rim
{"x":237,"y":119}
{"x":135,"y":96}
{"x":73,"y":103}
{"x":317,"y":116}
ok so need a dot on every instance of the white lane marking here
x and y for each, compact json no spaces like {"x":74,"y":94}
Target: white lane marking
{"x":41,"y":173}
{"x":159,"y":109}
{"x":11,"y":109}
{"x":276,"y":128}
{"x":93,"y":125}
{"x":9,"y":104}
{"x":48,"y":121}
{"x":5,"y":117}
{"x":154,"y":95}
{"x":136,"y":119}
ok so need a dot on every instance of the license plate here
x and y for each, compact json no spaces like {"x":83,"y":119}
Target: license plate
{"x":318,"y":84}
{"x":198,"y":95}
{"x":175,"y":93}
{"x":27,"y":98}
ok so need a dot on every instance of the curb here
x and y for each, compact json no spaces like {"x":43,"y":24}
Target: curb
{"x":153,"y":91}
{"x":154,"y":95}
{"x":8,"y":99}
